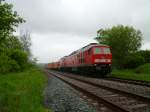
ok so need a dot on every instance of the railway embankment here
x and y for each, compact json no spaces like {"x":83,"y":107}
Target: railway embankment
{"x":61,"y":97}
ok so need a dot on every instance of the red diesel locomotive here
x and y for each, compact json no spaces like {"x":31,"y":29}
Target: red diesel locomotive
{"x":93,"y":58}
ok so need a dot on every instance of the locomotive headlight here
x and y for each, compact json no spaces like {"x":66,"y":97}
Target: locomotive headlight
{"x":108,"y":60}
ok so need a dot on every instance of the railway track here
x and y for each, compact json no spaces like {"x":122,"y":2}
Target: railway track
{"x":129,"y":81}
{"x":121,"y":85}
{"x":112,"y":99}
{"x":137,"y":82}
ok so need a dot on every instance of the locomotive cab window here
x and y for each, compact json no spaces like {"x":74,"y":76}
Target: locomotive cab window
{"x":97,"y":50}
{"x":106,"y":51}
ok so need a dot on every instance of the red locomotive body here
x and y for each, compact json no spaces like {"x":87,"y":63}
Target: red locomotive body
{"x":93,"y":58}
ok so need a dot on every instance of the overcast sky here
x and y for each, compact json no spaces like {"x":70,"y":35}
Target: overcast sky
{"x":59,"y":27}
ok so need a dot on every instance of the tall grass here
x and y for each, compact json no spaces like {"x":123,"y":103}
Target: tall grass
{"x":22,"y":92}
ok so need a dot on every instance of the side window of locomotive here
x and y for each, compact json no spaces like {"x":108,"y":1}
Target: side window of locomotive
{"x":106,"y":51}
{"x":97,"y":50}
{"x":89,"y":51}
{"x":78,"y":57}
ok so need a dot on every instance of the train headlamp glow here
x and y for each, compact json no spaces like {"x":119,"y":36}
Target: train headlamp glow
{"x":102,"y":60}
{"x":108,"y":60}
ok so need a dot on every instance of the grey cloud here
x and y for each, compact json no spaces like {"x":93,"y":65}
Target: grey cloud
{"x":81,"y":17}
{"x":67,"y":25}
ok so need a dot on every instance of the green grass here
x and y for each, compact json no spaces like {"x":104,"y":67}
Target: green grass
{"x":143,"y":69}
{"x":22,"y":92}
{"x":131,"y":74}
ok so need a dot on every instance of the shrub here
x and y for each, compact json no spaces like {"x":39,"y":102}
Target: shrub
{"x":14,"y":66}
{"x":5,"y":63}
{"x":20,"y":57}
{"x":13,"y":61}
{"x":133,"y":61}
{"x":145,"y":54}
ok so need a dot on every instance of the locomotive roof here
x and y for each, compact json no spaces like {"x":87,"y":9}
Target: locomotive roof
{"x":86,"y":48}
{"x":92,"y":45}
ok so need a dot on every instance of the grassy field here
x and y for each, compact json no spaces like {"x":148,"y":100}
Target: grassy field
{"x":129,"y":74}
{"x":140,"y":73}
{"x":22,"y":92}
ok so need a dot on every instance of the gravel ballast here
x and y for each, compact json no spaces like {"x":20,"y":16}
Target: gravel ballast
{"x":61,"y":97}
{"x":127,"y":87}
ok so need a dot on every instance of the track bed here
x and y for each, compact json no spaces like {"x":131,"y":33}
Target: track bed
{"x":106,"y":93}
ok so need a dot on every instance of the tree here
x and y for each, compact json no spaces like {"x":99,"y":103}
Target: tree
{"x":12,"y":42}
{"x":9,"y":19}
{"x":123,"y":40}
{"x":12,"y":55}
{"x":26,"y":42}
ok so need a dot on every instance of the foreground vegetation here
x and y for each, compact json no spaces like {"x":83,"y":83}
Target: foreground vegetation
{"x":20,"y":86}
{"x":14,"y":50}
{"x":140,"y":73}
{"x":22,"y":92}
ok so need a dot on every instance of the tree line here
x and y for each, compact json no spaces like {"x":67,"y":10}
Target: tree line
{"x":14,"y":50}
{"x":125,"y":43}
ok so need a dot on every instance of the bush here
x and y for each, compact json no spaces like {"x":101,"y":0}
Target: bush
{"x":13,"y":61}
{"x":145,"y":54}
{"x":14,"y":66}
{"x":143,"y":69}
{"x":133,"y":61}
{"x":7,"y":64}
{"x":20,"y":57}
{"x":4,"y":63}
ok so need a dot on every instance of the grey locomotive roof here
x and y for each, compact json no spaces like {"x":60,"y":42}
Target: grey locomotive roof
{"x":92,"y":45}
{"x":86,"y":48}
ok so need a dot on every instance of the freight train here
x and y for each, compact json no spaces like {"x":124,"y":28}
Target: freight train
{"x":94,"y":58}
